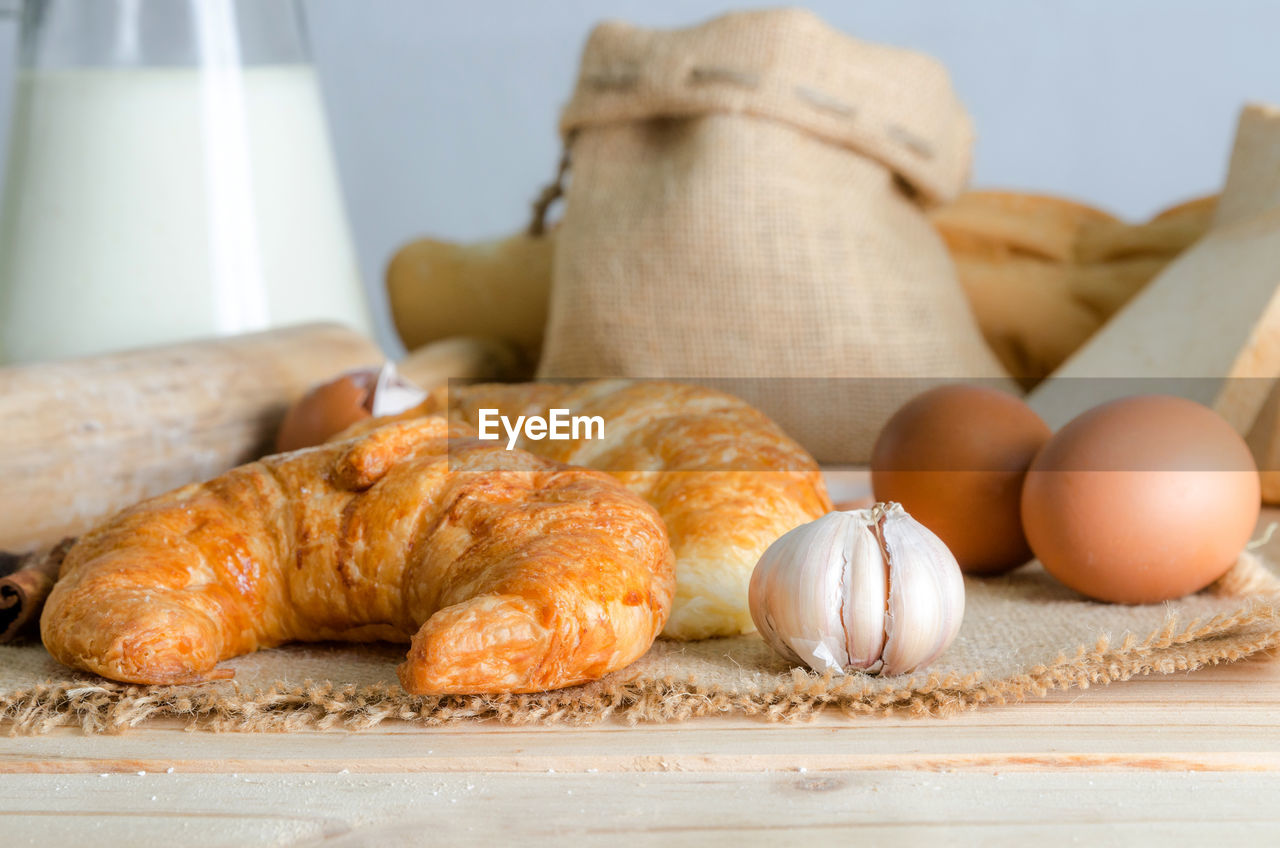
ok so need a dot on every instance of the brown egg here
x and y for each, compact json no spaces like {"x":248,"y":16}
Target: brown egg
{"x":1141,"y":500}
{"x":955,"y":457}
{"x":327,"y":409}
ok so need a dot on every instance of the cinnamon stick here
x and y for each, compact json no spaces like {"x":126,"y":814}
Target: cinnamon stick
{"x":25,"y":582}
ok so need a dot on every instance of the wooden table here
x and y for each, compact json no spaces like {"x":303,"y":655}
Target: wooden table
{"x":1184,"y":758}
{"x":1159,"y":760}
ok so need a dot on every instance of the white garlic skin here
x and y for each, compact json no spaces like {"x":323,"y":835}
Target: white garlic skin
{"x":865,"y":590}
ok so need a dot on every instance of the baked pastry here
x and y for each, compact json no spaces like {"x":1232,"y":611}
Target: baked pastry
{"x":508,"y":573}
{"x":726,"y":480}
{"x":1014,"y":255}
{"x":1166,"y":235}
{"x":1044,"y":273}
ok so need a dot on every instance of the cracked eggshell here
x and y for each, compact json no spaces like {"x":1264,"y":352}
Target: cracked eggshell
{"x":332,"y":407}
{"x":327,"y":409}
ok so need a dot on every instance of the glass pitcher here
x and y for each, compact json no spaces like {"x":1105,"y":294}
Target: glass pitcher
{"x":169,"y":177}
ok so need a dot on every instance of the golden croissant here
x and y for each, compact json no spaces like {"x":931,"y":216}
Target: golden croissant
{"x":725,"y":479}
{"x":506,"y":572}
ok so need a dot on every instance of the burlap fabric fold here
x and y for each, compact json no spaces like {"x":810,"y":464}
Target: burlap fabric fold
{"x":747,"y":201}
{"x":1023,"y":635}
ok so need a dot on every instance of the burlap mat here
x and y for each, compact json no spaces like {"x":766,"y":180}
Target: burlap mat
{"x":1023,"y":635}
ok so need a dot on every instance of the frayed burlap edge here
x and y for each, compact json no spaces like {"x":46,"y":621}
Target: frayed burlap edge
{"x":103,"y":707}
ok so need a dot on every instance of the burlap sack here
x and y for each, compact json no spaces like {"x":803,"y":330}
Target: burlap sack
{"x":746,"y":201}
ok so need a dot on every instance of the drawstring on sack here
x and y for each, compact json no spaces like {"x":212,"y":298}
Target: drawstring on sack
{"x":551,"y":193}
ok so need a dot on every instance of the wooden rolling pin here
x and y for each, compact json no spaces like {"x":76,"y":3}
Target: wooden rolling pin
{"x":84,"y":438}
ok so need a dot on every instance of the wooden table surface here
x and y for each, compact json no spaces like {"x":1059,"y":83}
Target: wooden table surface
{"x":1170,"y":759}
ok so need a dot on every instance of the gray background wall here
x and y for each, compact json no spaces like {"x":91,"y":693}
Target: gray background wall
{"x":443,"y":113}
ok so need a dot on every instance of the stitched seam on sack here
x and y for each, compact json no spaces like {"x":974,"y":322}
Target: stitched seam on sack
{"x":909,"y":141}
{"x":707,"y":74}
{"x":826,"y":102}
{"x":703,"y":75}
{"x":612,"y":80}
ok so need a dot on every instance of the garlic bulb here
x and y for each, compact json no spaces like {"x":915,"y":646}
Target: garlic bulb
{"x":869,"y":589}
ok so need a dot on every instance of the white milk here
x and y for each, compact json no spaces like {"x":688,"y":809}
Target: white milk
{"x":156,"y":204}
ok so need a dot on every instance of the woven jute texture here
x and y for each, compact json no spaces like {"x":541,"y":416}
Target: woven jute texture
{"x":747,"y":201}
{"x":1023,"y":635}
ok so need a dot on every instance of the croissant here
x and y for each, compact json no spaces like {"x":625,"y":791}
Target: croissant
{"x":725,"y":479}
{"x":505,"y":572}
